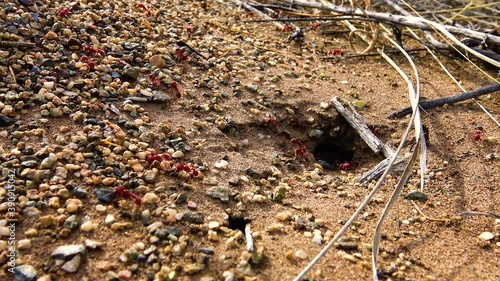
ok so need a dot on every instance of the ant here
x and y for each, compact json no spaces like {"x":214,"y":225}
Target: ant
{"x":158,"y":157}
{"x":143,"y":8}
{"x":153,"y":80}
{"x":124,"y":193}
{"x":89,"y":62}
{"x":346,"y":166}
{"x":92,"y":50}
{"x":173,"y":85}
{"x":287,"y":28}
{"x":336,"y":52}
{"x":271,"y":122}
{"x":180,"y":54}
{"x":300,"y":149}
{"x":297,"y":123}
{"x":478,"y":135}
{"x":315,"y":26}
{"x":63,"y":13}
{"x":188,"y":168}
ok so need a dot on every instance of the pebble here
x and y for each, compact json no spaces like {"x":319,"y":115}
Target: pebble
{"x":214,"y":225}
{"x":178,"y":154}
{"x":218,"y":192}
{"x":24,"y":272}
{"x":72,"y":265}
{"x":6,"y":121}
{"x":24,"y":244}
{"x":105,"y":195}
{"x":194,"y":217}
{"x":66,"y":252}
{"x":486,"y":236}
{"x":88,"y":226}
{"x":51,"y":35}
{"x":301,"y":254}
{"x":349,"y":257}
{"x":284,"y":216}
{"x":150,"y":198}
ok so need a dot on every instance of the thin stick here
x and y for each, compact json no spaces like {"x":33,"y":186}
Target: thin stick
{"x":313,"y":19}
{"x":16,"y":44}
{"x":410,"y":21}
{"x":395,"y":51}
{"x":448,"y":100}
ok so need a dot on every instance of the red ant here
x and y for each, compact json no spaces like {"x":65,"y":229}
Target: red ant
{"x":250,"y":14}
{"x":376,"y":130}
{"x":188,"y":168}
{"x":315,"y":26}
{"x":346,"y":166}
{"x":124,"y":193}
{"x":478,"y":135}
{"x":271,"y":122}
{"x":336,"y":52}
{"x":300,"y":149}
{"x":89,"y":62}
{"x":287,"y":28}
{"x":63,"y":13}
{"x":153,"y":80}
{"x":173,"y":86}
{"x":180,"y":54}
{"x":92,"y":50}
{"x":158,"y":157}
{"x":296,"y":122}
{"x":143,"y":8}
{"x":190,"y":29}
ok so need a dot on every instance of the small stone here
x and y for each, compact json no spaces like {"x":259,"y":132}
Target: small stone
{"x":150,"y":198}
{"x":430,"y":278}
{"x":219,"y":192}
{"x":87,"y":226}
{"x":124,"y":274}
{"x":131,"y":73}
{"x":121,"y":225}
{"x":108,"y":181}
{"x":6,"y":121}
{"x":486,"y":236}
{"x":359,"y":104}
{"x":251,"y":88}
{"x":157,"y":61}
{"x":284,"y":216}
{"x":324,"y":105}
{"x":24,"y":244}
{"x":178,"y":154}
{"x":24,"y":273}
{"x":105,"y":195}
{"x":56,"y":112}
{"x":349,"y":257}
{"x":214,"y":225}
{"x":416,"y":195}
{"x":348,"y":246}
{"x":51,"y":35}
{"x":72,"y":265}
{"x":66,"y":252}
{"x":194,"y":217}
{"x":109,"y":219}
{"x":193,"y":268}
{"x":92,"y":244}
{"x":301,"y":254}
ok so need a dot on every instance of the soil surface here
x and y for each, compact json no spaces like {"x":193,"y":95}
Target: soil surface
{"x":254,"y":118}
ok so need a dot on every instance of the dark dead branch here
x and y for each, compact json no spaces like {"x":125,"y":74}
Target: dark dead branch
{"x":447,"y":100}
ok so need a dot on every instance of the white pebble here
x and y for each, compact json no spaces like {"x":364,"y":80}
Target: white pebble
{"x":486,"y":236}
{"x":87,"y":226}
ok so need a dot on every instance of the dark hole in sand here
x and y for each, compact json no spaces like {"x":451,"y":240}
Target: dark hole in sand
{"x":238,"y":223}
{"x":335,"y":147}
